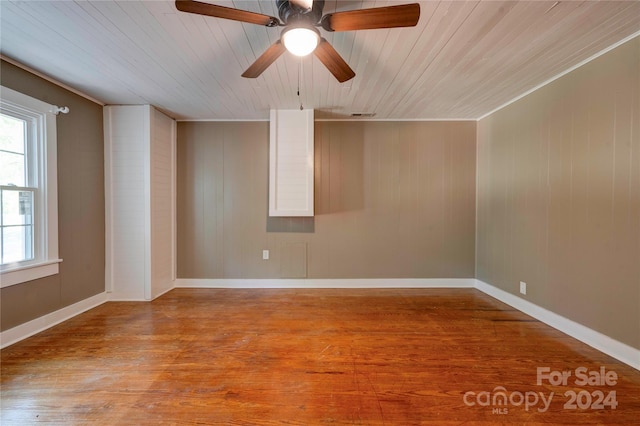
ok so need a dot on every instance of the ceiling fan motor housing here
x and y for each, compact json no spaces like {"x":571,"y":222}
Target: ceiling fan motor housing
{"x":290,"y":12}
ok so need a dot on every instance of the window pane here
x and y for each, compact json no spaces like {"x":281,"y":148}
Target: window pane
{"x":17,"y":244}
{"x":17,"y":207}
{"x":12,"y":134}
{"x":12,"y":169}
{"x":12,"y":151}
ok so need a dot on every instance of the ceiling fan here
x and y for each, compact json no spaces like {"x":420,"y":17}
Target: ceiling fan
{"x":300,"y":35}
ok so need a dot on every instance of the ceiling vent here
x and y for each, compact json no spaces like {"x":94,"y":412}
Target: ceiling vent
{"x":363,"y":114}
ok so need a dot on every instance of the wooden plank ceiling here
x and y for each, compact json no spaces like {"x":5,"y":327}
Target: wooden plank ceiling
{"x":463,"y":60}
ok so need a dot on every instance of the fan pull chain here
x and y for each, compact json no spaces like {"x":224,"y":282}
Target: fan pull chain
{"x":299,"y":78}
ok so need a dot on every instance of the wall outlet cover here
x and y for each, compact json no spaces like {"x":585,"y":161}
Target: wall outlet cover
{"x":523,"y":287}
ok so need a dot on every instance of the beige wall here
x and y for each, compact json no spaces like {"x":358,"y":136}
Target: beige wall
{"x":559,"y":195}
{"x":80,"y":205}
{"x":393,"y":199}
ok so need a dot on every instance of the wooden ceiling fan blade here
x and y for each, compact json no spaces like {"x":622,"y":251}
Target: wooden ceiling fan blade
{"x":267,"y":58}
{"x":405,"y":15}
{"x":216,"y":11}
{"x":333,"y":61}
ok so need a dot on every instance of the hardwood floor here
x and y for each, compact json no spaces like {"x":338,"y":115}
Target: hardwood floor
{"x":310,"y":357}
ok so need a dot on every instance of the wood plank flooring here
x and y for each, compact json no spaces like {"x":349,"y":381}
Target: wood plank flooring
{"x":309,"y":357}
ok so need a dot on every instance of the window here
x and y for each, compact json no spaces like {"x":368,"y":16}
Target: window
{"x":28,"y":188}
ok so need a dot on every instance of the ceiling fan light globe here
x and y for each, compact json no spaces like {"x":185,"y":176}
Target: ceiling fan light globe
{"x":300,"y":41}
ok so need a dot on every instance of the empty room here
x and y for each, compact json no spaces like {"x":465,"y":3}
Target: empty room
{"x":319,"y":212}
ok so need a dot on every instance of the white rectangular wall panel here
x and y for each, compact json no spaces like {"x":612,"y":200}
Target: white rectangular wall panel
{"x":291,"y":159}
{"x":126,"y":152}
{"x":163,"y":133}
{"x":140,"y":201}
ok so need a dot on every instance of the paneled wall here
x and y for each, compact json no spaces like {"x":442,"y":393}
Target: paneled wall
{"x":80,"y":205}
{"x":559,"y":195}
{"x":393,"y":200}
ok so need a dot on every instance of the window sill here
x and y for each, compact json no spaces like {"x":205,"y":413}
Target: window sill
{"x":30,"y":272}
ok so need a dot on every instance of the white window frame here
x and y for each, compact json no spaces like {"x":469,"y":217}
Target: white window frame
{"x":42,"y":117}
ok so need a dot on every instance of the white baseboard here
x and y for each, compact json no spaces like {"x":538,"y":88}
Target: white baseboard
{"x":328,"y":283}
{"x":28,"y":329}
{"x":620,"y":351}
{"x":126,"y":297}
{"x":136,"y":296}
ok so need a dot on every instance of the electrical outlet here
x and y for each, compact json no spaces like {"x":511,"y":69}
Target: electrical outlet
{"x":523,"y":287}
{"x":265,"y":254}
